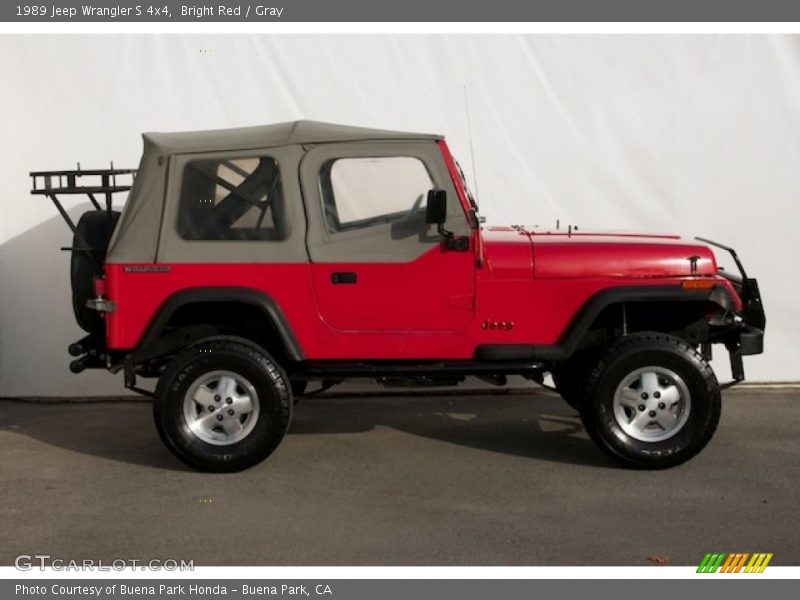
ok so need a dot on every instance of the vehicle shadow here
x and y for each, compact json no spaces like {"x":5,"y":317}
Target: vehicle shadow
{"x":527,"y":424}
{"x":117,"y":430}
{"x":535,"y":426}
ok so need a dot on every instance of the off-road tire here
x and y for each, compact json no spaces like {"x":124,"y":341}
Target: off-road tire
{"x":570,"y":377}
{"x":641,"y":351}
{"x":245,"y":359}
{"x":94,"y":228}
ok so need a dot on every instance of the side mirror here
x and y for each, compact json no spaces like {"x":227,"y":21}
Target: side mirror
{"x":436,"y":208}
{"x":436,"y":214}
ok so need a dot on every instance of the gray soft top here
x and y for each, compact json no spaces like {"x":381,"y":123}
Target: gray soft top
{"x":140,"y":237}
{"x":279,"y":134}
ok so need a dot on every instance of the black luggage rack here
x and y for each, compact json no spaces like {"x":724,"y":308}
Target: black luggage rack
{"x":93,"y":183}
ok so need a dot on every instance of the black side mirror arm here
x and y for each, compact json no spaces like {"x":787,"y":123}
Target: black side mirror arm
{"x":436,"y":212}
{"x":452,"y":242}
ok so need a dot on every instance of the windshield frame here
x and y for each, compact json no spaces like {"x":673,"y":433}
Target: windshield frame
{"x":473,"y":203}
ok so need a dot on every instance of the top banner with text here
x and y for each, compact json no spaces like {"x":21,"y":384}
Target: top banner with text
{"x":406,"y":11}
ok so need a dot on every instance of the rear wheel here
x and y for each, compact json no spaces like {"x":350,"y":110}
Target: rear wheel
{"x":652,"y":401}
{"x":223,"y":405}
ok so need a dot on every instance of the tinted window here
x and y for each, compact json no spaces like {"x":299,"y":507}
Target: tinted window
{"x":361,"y":192}
{"x":232,"y":199}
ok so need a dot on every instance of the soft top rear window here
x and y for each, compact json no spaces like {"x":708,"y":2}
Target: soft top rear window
{"x":232,"y":199}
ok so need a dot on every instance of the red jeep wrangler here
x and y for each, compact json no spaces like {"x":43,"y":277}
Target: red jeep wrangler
{"x":248,"y":262}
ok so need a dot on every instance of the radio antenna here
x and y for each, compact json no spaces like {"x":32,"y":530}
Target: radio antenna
{"x":471,"y":146}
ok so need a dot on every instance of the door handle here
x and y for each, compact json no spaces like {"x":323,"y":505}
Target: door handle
{"x":343,"y":277}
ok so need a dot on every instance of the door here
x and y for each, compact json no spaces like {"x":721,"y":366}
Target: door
{"x":376,"y":264}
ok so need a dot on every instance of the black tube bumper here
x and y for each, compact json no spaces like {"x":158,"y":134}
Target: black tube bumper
{"x":743,"y":333}
{"x":751,"y":341}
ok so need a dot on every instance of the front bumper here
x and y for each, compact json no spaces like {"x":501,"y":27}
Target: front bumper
{"x":751,"y":341}
{"x":747,"y":334}
{"x":742,"y":332}
{"x":740,"y":339}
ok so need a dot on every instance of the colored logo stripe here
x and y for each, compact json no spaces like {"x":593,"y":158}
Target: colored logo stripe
{"x":727,"y":565}
{"x":740,"y":564}
{"x":758,"y":563}
{"x":733,"y":563}
{"x":711,"y":563}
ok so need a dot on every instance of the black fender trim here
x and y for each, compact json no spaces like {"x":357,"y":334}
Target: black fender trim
{"x":570,"y":340}
{"x":265,"y":303}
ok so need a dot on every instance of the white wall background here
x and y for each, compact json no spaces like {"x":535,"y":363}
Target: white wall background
{"x":698,"y":135}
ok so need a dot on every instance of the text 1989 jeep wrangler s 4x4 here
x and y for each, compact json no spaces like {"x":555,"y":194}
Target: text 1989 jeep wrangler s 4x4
{"x":248,"y":262}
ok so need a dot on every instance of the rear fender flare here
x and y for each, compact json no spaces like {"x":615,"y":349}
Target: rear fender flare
{"x":266,"y":304}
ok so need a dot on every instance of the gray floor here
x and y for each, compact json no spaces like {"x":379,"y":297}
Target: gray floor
{"x":467,"y":479}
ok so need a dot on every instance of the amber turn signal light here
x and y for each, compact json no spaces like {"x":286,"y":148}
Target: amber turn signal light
{"x":698,"y":284}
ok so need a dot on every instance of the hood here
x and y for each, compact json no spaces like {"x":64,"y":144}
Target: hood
{"x":563,"y":254}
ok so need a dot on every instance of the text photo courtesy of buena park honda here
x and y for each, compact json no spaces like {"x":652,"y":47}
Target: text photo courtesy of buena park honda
{"x":399,"y":299}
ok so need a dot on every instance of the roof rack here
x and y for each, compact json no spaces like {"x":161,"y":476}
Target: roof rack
{"x":92,"y":183}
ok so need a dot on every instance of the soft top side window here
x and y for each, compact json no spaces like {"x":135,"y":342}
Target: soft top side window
{"x":232,"y":199}
{"x":366,"y":191}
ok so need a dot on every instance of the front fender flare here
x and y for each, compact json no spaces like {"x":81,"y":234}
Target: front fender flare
{"x":570,"y":340}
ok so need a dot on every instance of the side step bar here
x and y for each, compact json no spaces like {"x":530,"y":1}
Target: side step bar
{"x":329,"y":370}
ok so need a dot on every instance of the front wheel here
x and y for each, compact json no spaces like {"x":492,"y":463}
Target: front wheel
{"x":652,"y":401}
{"x":223,"y":405}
